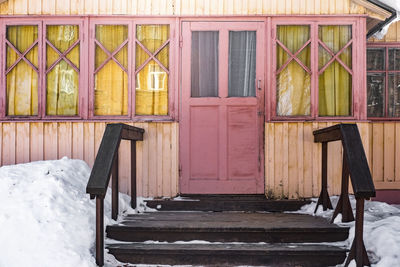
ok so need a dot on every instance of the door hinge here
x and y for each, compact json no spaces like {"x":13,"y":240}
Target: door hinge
{"x":259,"y":163}
{"x":180,"y":41}
{"x":180,"y":170}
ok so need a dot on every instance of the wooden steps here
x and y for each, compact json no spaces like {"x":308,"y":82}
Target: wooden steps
{"x":229,"y":254}
{"x":226,"y":227}
{"x":225,"y":203}
{"x":228,"y":238}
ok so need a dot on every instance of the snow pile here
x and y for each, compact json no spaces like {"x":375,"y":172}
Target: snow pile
{"x":46,"y":217}
{"x":381,"y":230}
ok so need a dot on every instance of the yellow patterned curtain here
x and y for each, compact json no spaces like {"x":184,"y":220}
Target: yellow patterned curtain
{"x":62,"y":90}
{"x":111,"y":81}
{"x":335,"y":83}
{"x":22,"y":80}
{"x":152,"y":80}
{"x":293,"y":82}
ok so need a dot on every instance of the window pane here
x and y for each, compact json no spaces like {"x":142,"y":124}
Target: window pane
{"x":394,"y":95}
{"x":152,"y":78}
{"x":62,"y":90}
{"x":376,"y":94}
{"x":293,"y":91}
{"x":62,"y":80}
{"x":293,"y":82}
{"x":394,"y":59}
{"x":293,"y":36}
{"x":375,"y":58}
{"x":22,"y":80}
{"x":335,"y":90}
{"x":152,"y":90}
{"x":242,"y":63}
{"x":335,"y":83}
{"x":335,"y":37}
{"x":111,"y":79}
{"x":111,"y":90}
{"x":204,"y":64}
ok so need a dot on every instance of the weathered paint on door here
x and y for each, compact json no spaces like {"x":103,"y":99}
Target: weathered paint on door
{"x":221,"y":136}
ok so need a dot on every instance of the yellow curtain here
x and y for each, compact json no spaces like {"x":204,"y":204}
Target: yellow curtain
{"x":152,"y":80}
{"x":62,"y":90}
{"x":22,"y":80}
{"x":335,"y":83}
{"x":111,"y":82}
{"x":293,"y":82}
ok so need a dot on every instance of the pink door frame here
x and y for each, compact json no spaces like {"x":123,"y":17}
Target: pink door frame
{"x":221,"y":180}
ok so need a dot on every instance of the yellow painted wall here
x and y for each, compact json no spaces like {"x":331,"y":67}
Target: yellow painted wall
{"x":293,"y":160}
{"x":179,"y":7}
{"x":157,"y":155}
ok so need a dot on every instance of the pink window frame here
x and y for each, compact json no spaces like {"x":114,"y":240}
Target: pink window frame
{"x":132,"y":23}
{"x":358,"y":61}
{"x":92,"y":46}
{"x":82,"y":103}
{"x":3,"y":96}
{"x":386,"y":71}
{"x":42,"y":23}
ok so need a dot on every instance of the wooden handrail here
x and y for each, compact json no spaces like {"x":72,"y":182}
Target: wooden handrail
{"x":105,"y":164}
{"x":356,"y":167}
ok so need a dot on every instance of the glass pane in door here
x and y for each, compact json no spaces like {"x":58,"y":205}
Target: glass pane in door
{"x":242,"y":63}
{"x":204,"y":64}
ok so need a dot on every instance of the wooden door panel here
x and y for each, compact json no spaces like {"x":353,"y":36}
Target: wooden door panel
{"x":204,"y":134}
{"x":242,"y":142}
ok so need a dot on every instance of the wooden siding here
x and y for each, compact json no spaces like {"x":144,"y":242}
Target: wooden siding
{"x":157,"y":155}
{"x":392,"y":35}
{"x":293,"y":160}
{"x":179,"y":7}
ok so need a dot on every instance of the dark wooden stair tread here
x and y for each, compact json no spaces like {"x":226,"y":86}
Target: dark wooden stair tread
{"x":225,"y":203}
{"x":228,"y":254}
{"x":226,"y":226}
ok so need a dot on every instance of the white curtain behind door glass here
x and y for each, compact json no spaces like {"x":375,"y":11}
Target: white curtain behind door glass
{"x":204,"y":64}
{"x":242,"y":63}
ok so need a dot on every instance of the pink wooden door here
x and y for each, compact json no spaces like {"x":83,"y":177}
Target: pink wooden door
{"x":222,"y":108}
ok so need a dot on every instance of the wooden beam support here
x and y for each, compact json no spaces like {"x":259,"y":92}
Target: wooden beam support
{"x":324,"y":199}
{"x":343,"y":206}
{"x":133,"y":174}
{"x":114,"y":189}
{"x":100,"y":230}
{"x":358,"y":251}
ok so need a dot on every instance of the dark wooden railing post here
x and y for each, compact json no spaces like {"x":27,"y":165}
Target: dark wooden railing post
{"x":343,"y":206}
{"x":358,"y":251}
{"x":105,"y":165}
{"x":100,"y":230}
{"x":114,"y":189}
{"x":133,"y":174}
{"x":355,"y":166}
{"x":324,"y":199}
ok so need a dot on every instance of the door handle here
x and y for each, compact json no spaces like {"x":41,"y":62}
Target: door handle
{"x":259,"y":84}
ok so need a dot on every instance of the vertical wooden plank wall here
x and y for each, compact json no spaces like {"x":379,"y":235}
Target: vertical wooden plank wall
{"x":179,"y":7}
{"x":157,"y":163}
{"x":293,"y":160}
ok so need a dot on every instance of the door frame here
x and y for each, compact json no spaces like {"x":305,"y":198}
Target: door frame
{"x":263,"y":104}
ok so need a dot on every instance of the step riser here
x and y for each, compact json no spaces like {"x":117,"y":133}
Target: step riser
{"x":222,"y":205}
{"x":226,"y":236}
{"x":224,"y":259}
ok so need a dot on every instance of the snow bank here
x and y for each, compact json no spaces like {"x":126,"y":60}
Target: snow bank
{"x":381,"y":230}
{"x":46,"y":217}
